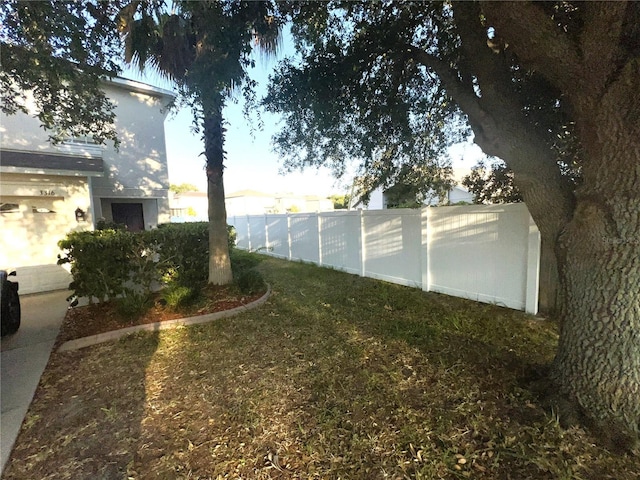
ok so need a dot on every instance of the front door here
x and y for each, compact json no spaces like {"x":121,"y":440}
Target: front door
{"x":128,"y":214}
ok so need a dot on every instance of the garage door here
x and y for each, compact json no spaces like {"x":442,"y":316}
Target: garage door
{"x":31,"y":228}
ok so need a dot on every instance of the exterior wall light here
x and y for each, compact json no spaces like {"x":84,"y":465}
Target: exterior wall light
{"x":80,"y":215}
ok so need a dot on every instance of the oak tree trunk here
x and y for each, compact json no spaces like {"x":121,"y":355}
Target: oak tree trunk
{"x":596,"y":372}
{"x":594,"y":231}
{"x":219,"y":262}
{"x":495,"y":113}
{"x":598,"y":359}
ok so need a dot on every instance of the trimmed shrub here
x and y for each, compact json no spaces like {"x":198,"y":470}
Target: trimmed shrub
{"x":105,"y":263}
{"x":243,"y":260}
{"x":110,"y":263}
{"x":185,"y":250}
{"x":245,"y":276}
{"x":250,"y":282}
{"x":177,"y":296}
{"x":133,"y":304}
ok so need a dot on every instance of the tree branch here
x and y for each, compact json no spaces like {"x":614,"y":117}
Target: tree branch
{"x":491,"y":69}
{"x":465,"y":97}
{"x":600,"y":42}
{"x":501,"y":130}
{"x":538,"y":42}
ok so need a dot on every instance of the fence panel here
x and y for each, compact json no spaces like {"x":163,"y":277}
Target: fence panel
{"x":278,"y":234}
{"x":480,"y":252}
{"x":392,"y":244}
{"x":485,"y":253}
{"x":340,"y":241}
{"x":257,"y":232}
{"x":241,"y":225}
{"x":304,"y":237}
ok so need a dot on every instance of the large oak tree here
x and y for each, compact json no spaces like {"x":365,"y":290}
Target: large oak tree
{"x":547,"y":87}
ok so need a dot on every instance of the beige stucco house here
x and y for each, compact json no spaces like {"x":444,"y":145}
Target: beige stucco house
{"x":48,"y":190}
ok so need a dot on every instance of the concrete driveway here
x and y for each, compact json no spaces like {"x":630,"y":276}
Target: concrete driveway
{"x":23,"y":358}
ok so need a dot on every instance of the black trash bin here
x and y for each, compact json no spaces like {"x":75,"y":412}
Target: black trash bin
{"x":10,"y":303}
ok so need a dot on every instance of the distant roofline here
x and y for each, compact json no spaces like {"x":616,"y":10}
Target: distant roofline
{"x":275,"y":196}
{"x":191,"y":194}
{"x":247,"y":193}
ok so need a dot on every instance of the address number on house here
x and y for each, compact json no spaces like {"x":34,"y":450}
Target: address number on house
{"x":47,"y":193}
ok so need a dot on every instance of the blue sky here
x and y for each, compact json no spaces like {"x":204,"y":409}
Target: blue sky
{"x":251,"y":163}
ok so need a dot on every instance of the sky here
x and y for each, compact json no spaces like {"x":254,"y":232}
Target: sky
{"x":250,"y":162}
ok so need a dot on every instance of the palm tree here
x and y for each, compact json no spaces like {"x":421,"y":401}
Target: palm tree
{"x":204,"y":47}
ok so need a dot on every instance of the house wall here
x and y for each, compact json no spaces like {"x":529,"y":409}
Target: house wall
{"x":376,"y":200}
{"x":259,"y":203}
{"x":487,"y":253}
{"x":23,"y":132}
{"x":138,"y":169}
{"x":135,"y":173}
{"x":249,"y":205}
{"x":189,"y":207}
{"x":29,"y":240}
{"x":458,"y":194}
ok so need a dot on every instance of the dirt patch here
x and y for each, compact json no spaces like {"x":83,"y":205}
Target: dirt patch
{"x":105,"y":317}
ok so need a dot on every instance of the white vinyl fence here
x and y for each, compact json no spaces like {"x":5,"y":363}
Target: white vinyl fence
{"x":486,"y":253}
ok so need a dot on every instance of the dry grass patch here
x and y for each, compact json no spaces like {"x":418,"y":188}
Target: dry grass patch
{"x":336,"y":376}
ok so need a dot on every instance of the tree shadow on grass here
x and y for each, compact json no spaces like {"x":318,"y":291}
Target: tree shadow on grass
{"x":84,"y":421}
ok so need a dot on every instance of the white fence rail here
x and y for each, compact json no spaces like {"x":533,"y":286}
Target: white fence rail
{"x":486,"y":253}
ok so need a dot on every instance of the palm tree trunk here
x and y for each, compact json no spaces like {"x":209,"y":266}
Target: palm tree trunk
{"x":219,"y":263}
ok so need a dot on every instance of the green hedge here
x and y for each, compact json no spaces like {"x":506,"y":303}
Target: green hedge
{"x":109,"y":263}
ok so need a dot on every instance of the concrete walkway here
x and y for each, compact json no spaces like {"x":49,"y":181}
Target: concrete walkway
{"x":24,"y":356}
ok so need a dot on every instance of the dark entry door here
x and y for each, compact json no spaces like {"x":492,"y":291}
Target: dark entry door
{"x":129,"y":214}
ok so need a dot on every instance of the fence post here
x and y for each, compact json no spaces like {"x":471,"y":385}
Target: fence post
{"x":533,"y":268}
{"x":248,"y":233}
{"x":289,"y":235}
{"x":425,"y":230}
{"x":266,"y":234}
{"x":363,"y":250}
{"x":319,"y":221}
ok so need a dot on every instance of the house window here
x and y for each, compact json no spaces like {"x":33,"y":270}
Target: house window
{"x":35,"y":209}
{"x":81,"y":145}
{"x":82,"y":140}
{"x":9,"y":208}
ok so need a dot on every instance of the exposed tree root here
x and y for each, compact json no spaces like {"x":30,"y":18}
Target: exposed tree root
{"x":616,"y":437}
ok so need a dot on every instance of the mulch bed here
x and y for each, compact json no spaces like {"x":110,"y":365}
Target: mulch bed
{"x":104,"y":317}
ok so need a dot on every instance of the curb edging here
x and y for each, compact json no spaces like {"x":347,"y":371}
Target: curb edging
{"x":157,"y":326}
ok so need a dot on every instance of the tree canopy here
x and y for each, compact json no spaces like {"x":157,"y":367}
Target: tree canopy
{"x":204,"y":48}
{"x":550,"y":88}
{"x":59,"y":53}
{"x":352,"y":99}
{"x":492,"y":184}
{"x":182,"y":188}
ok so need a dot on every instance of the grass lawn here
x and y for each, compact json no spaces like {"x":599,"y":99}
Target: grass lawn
{"x":335,"y":377}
